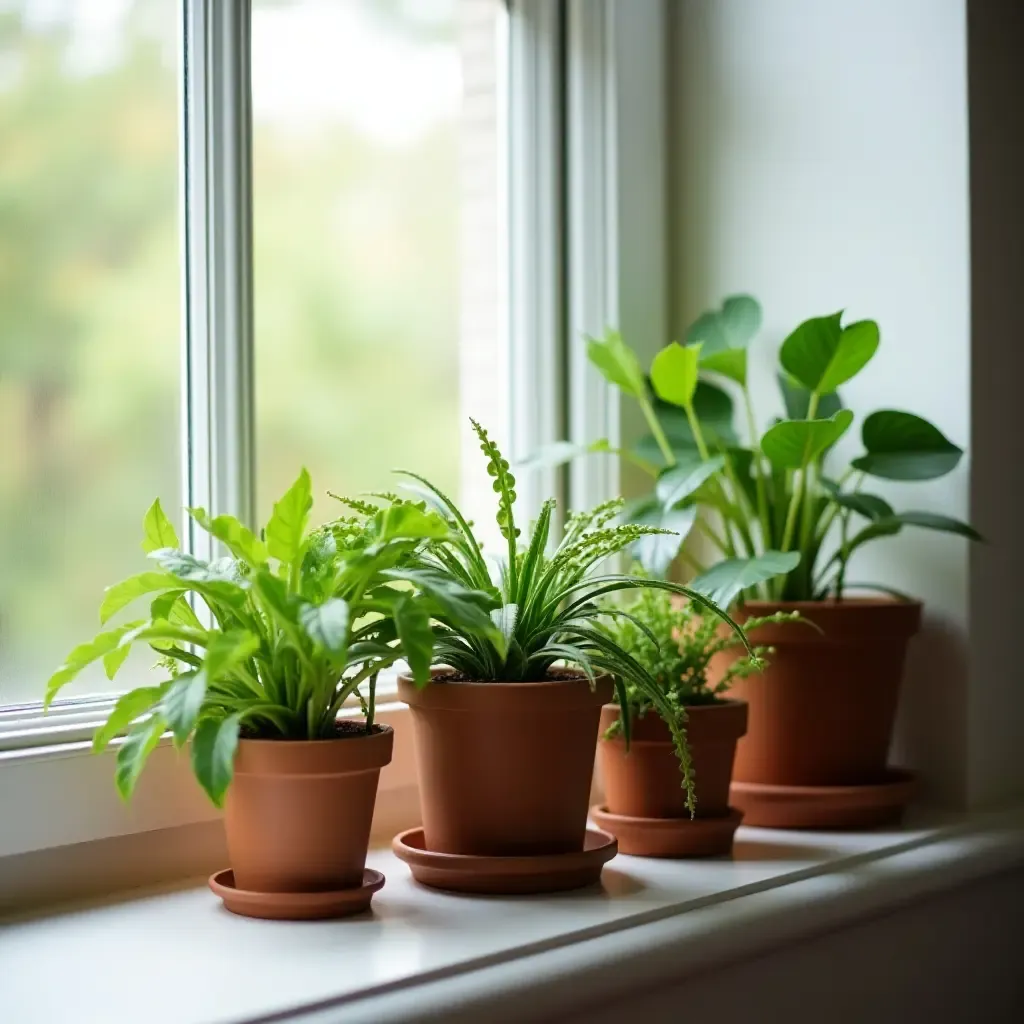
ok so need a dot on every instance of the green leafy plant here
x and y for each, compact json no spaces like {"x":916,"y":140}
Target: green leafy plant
{"x":675,"y":641}
{"x":546,"y":602}
{"x":289,"y":625}
{"x":784,"y":524}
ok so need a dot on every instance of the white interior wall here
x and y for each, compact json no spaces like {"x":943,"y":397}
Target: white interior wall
{"x":820,"y":162}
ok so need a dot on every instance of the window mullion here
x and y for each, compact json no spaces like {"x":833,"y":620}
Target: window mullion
{"x":217,"y":246}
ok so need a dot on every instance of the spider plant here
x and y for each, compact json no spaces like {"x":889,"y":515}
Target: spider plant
{"x":268,"y":641}
{"x":546,"y":602}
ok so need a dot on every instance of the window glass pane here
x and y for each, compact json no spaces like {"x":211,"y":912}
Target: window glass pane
{"x":89,"y":315}
{"x":378,"y":234}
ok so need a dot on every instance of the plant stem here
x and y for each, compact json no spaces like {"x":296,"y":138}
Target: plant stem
{"x":659,"y":434}
{"x":844,"y":522}
{"x":755,"y":447}
{"x":693,"y":562}
{"x":371,"y":702}
{"x":720,"y":542}
{"x":798,"y":490}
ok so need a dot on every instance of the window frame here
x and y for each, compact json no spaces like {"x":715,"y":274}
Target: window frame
{"x":572,"y":187}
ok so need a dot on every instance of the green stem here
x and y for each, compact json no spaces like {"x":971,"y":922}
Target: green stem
{"x":371,"y":702}
{"x":843,"y":555}
{"x":762,"y":493}
{"x":801,"y":484}
{"x":693,"y":562}
{"x":659,"y":434}
{"x":720,"y":542}
{"x":698,"y":434}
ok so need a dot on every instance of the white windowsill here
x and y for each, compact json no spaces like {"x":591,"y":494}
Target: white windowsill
{"x":424,"y":954}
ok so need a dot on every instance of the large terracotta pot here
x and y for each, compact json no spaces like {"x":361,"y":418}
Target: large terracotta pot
{"x":298,"y":812}
{"x":646,"y":781}
{"x":505,"y":768}
{"x":822,"y":713}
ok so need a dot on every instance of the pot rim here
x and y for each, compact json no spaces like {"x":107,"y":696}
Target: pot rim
{"x":343,"y":755}
{"x":471,"y":695}
{"x":715,"y":720}
{"x":847,"y":603}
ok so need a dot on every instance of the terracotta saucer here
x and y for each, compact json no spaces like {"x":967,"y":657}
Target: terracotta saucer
{"x":502,"y":876}
{"x":825,"y":807}
{"x":295,"y":906}
{"x":670,"y":837}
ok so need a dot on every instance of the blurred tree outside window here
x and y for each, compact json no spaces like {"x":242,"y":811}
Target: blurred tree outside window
{"x":377,"y":299}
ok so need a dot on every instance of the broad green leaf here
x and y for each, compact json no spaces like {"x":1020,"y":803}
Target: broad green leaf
{"x":741,"y":318}
{"x":406,"y":522}
{"x":128,"y":707}
{"x":656,"y":552}
{"x":173,"y":607}
{"x":213,"y":754}
{"x":933,"y":521}
{"x":287,"y":525}
{"x":821,"y":354}
{"x":226,"y":651}
{"x":713,"y":408}
{"x":617,"y":363}
{"x":708,"y":330}
{"x":674,"y":374}
{"x":84,"y":655}
{"x":798,"y":400}
{"x":326,"y":624}
{"x":121,"y":594}
{"x":182,"y":703}
{"x":234,"y":535}
{"x":415,"y":636}
{"x":133,"y":753}
{"x":559,"y":452}
{"x":871,"y":506}
{"x":795,"y":444}
{"x":113,"y":660}
{"x":279,"y":602}
{"x":902,"y":446}
{"x":188,"y":567}
{"x":158,"y":531}
{"x":729,"y":362}
{"x":724,"y":582}
{"x":157,"y":631}
{"x":453,"y":601}
{"x":683,"y":479}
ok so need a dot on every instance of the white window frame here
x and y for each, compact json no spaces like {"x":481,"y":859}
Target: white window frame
{"x":586,"y":172}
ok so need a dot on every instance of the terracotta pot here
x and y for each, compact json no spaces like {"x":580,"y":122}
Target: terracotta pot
{"x":822,"y":713}
{"x":298,"y":812}
{"x":646,"y":781}
{"x":505,"y":768}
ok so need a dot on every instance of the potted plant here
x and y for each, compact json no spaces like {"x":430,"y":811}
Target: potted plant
{"x":644,"y":806}
{"x":505,"y":736}
{"x":822,"y":714}
{"x":286,"y":628}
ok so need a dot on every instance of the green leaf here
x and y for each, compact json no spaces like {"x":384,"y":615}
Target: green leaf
{"x":122,"y":594}
{"x":226,"y":651}
{"x":287,"y":525}
{"x":933,"y":521}
{"x":326,"y":624}
{"x":133,"y":753}
{"x":470,"y":608}
{"x":505,"y":619}
{"x":656,"y":552}
{"x":725,"y":335}
{"x":195,"y":570}
{"x":213,"y":754}
{"x":84,"y":655}
{"x":795,"y":444}
{"x":871,"y":506}
{"x":821,"y":354}
{"x":730,"y":362}
{"x":674,"y":374}
{"x":798,"y":400}
{"x":617,"y":363}
{"x":158,"y":531}
{"x":559,"y":452}
{"x":901,"y":446}
{"x":130,"y":706}
{"x":406,"y":522}
{"x":173,"y":607}
{"x":113,"y":661}
{"x":724,"y":582}
{"x":683,"y":479}
{"x":234,"y":535}
{"x":182,"y":703}
{"x":415,"y":636}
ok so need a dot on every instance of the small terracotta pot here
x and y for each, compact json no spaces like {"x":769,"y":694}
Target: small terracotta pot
{"x":505,"y":768}
{"x":298,"y":812}
{"x":646,"y":781}
{"x":822,"y":713}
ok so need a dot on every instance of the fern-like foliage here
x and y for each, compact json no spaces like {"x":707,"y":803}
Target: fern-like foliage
{"x":675,"y":642}
{"x":547,"y":606}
